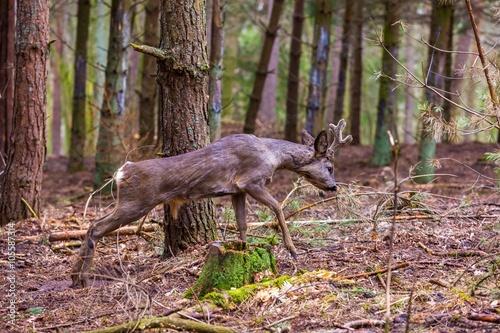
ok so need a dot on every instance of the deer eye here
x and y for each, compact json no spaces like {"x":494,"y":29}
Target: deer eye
{"x":330,"y":169}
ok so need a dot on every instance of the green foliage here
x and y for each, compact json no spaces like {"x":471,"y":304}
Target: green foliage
{"x":494,"y":158}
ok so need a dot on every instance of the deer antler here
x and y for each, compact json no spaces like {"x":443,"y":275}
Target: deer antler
{"x":338,"y":141}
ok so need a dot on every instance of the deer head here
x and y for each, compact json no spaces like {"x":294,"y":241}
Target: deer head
{"x":318,"y":167}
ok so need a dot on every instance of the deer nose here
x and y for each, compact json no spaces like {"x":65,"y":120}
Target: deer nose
{"x":333,"y":188}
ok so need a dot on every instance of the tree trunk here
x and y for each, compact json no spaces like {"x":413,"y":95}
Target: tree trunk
{"x":183,"y":82}
{"x":409,"y":126}
{"x":440,"y":25}
{"x":230,"y":63}
{"x":215,"y":81}
{"x":23,"y":176}
{"x":386,"y":108}
{"x":110,"y":150}
{"x":356,"y":81}
{"x":459,"y":84}
{"x":448,"y":72}
{"x":335,"y":66}
{"x":78,"y":130}
{"x":59,"y":25}
{"x":267,"y":108}
{"x":338,"y":110}
{"x":98,"y":44}
{"x":260,"y":77}
{"x":315,"y":112}
{"x":7,"y":33}
{"x":292,"y":101}
{"x":148,"y":98}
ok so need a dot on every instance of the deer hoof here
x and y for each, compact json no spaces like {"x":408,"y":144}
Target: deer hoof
{"x":294,"y":255}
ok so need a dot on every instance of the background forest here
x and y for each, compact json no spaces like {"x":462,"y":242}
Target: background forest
{"x":86,"y":85}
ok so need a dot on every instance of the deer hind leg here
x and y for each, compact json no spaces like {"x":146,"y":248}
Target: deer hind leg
{"x":239,"y":211}
{"x":260,"y":194}
{"x":121,"y":216}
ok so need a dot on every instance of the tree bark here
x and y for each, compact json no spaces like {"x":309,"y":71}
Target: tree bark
{"x":338,"y":110}
{"x":386,"y":107}
{"x":78,"y":130}
{"x":215,"y":81}
{"x":148,"y":98}
{"x":409,"y":127}
{"x":183,"y":82}
{"x":267,"y":108}
{"x":292,"y":101}
{"x":59,"y":25}
{"x":440,"y":25}
{"x":260,"y":77}
{"x":7,"y":33}
{"x":230,"y":64}
{"x":315,"y":111}
{"x":23,"y":175}
{"x":356,"y":82}
{"x":110,"y":150}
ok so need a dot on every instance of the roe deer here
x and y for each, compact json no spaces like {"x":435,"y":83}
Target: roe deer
{"x":235,"y":165}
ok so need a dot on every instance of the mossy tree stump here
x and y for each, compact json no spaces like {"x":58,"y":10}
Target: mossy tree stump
{"x":233,"y":265}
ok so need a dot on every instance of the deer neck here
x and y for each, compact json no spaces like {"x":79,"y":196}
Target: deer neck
{"x":289,"y":155}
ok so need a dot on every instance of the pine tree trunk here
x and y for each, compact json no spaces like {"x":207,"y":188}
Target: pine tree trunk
{"x":183,"y":82}
{"x":315,"y":111}
{"x":98,"y":45}
{"x":439,"y":34}
{"x":23,"y":176}
{"x":409,"y":126}
{"x":78,"y":130}
{"x":386,"y":108}
{"x":7,"y":33}
{"x":338,"y":110}
{"x":230,"y":63}
{"x":216,"y":55}
{"x":267,"y":108}
{"x":334,"y":77}
{"x":58,"y":25}
{"x":356,"y":81}
{"x":292,"y":100}
{"x":260,"y":77}
{"x":148,"y":98}
{"x":110,"y":150}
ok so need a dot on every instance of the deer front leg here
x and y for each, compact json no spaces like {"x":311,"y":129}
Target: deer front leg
{"x":239,"y":211}
{"x":260,"y":194}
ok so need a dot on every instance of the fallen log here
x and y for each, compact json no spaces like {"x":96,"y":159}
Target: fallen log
{"x":486,"y":317}
{"x":80,"y":234}
{"x":164,"y":322}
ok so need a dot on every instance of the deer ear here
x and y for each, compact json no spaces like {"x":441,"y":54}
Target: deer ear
{"x":307,"y":139}
{"x":321,"y":143}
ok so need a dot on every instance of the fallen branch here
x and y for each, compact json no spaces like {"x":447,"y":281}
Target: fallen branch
{"x":486,"y":317}
{"x":58,"y":247}
{"x":466,"y":253}
{"x":455,"y":318}
{"x":80,"y":234}
{"x":365,"y":323}
{"x":164,"y":322}
{"x":380,"y":271}
{"x":389,"y":218}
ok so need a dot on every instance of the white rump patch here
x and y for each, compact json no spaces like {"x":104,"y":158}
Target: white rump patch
{"x":120,"y":173}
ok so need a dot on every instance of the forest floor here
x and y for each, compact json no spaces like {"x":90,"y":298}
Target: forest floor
{"x":446,"y":245}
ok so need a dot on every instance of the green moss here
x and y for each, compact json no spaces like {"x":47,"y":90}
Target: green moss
{"x":230,"y":298}
{"x":232,"y":265}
